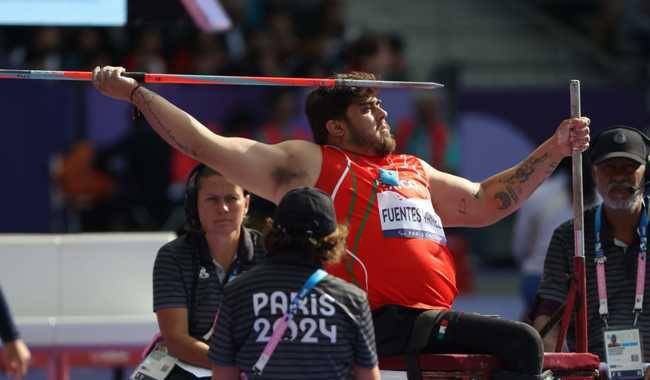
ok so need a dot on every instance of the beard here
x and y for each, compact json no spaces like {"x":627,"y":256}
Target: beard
{"x":622,"y":204}
{"x":381,"y":146}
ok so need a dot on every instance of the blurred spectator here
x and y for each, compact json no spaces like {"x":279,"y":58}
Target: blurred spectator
{"x":262,"y":57}
{"x":283,"y":122}
{"x":323,"y":40}
{"x":147,"y":54}
{"x":398,"y":65}
{"x":605,"y":25}
{"x":548,"y":207}
{"x":16,"y":354}
{"x":142,"y":166}
{"x":92,"y":49}
{"x":120,"y":188}
{"x":427,"y":135}
{"x":281,"y":30}
{"x":535,"y":222}
{"x":88,"y":192}
{"x":372,"y":53}
{"x":46,"y":51}
{"x":209,"y":55}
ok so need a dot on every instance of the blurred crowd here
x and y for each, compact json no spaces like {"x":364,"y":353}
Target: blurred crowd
{"x":269,"y":38}
{"x":119,"y":188}
{"x":619,"y":28}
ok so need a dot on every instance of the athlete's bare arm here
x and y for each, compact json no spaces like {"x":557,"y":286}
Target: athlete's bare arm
{"x":460,"y":202}
{"x":266,"y":170}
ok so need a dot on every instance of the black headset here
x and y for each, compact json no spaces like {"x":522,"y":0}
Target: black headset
{"x":191,"y":195}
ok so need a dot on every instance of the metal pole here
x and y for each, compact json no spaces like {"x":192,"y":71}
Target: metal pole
{"x":578,"y":230}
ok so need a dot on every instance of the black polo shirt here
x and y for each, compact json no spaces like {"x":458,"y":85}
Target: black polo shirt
{"x":620,"y":272}
{"x":185,"y":276}
{"x":332,"y":329}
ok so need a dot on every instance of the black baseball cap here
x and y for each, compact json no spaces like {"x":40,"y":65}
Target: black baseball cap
{"x":306,"y":211}
{"x":620,"y":141}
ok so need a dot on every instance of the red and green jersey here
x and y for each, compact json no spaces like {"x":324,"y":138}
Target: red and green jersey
{"x":397,"y":248}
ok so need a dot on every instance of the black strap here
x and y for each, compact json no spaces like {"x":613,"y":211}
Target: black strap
{"x":420,"y":336}
{"x":553,"y":321}
{"x":558,"y":314}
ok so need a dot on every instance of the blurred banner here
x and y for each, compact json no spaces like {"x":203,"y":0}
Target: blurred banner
{"x":63,"y":12}
{"x":208,"y":15}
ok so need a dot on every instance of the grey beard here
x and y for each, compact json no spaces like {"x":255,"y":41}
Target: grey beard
{"x":623,"y":204}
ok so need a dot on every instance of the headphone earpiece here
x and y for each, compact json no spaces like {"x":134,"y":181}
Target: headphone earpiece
{"x":191,"y":198}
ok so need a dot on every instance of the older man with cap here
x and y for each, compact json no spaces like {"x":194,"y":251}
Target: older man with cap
{"x":287,"y":318}
{"x":615,"y":251}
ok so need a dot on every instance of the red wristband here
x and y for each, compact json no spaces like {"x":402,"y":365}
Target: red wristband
{"x":133,"y":92}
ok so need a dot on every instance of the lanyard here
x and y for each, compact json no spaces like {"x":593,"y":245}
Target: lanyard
{"x":282,"y":323}
{"x":640,"y":269}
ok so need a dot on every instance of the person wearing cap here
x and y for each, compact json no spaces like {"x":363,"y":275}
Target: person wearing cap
{"x":618,"y":226}
{"x":329,"y":334}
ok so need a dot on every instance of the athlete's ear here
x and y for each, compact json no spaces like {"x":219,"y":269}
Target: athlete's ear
{"x":335,"y":128}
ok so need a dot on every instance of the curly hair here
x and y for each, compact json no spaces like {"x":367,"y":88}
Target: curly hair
{"x":319,"y":251}
{"x":331,"y":103}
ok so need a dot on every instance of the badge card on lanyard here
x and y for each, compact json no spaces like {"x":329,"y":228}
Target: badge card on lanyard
{"x":622,"y":346}
{"x":156,"y":366}
{"x":623,"y":354}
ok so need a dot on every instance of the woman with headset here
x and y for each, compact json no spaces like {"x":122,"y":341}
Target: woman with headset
{"x":191,"y":271}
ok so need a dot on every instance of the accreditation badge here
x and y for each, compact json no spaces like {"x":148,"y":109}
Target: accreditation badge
{"x":156,"y":366}
{"x":623,"y":353}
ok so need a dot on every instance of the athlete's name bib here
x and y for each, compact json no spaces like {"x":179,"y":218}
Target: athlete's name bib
{"x":409,"y":217}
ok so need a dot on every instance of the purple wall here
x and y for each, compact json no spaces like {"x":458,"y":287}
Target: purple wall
{"x":42,"y":118}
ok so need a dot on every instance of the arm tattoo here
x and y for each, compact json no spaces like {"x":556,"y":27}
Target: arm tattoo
{"x":504,"y":198}
{"x":512,"y":193}
{"x":552,"y":165}
{"x":165,"y":131}
{"x":512,"y":189}
{"x":527,"y":168}
{"x":507,"y":197}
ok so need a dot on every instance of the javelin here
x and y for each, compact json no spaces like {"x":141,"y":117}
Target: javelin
{"x":219,"y":79}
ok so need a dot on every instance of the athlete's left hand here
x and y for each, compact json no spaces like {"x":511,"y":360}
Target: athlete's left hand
{"x":572,"y":135}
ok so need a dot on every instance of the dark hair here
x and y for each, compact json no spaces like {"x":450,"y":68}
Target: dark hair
{"x":319,"y":251}
{"x":331,"y":103}
{"x":191,"y":195}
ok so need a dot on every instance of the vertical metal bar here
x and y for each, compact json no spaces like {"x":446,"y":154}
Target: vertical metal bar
{"x":578,"y":229}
